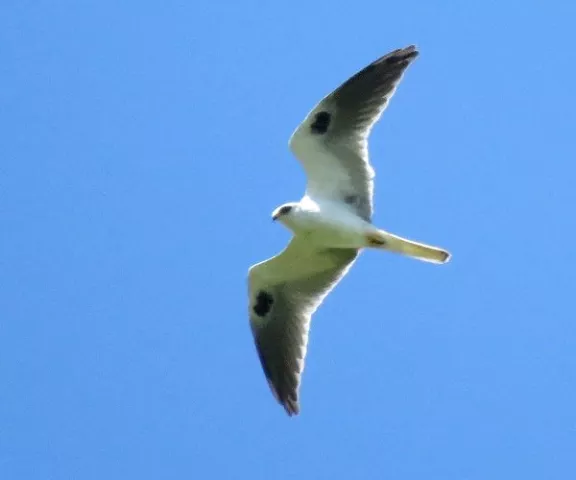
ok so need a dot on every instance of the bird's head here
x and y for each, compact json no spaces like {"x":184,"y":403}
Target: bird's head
{"x":284,"y":211}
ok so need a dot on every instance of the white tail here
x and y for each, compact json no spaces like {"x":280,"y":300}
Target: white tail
{"x":387,"y":241}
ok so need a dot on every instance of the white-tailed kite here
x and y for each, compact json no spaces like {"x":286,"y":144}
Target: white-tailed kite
{"x":331,"y":223}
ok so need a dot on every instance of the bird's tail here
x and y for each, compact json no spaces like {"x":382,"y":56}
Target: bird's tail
{"x":387,"y":241}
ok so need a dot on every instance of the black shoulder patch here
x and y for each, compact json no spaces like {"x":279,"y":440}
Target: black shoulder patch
{"x":263,"y":304}
{"x":321,"y":123}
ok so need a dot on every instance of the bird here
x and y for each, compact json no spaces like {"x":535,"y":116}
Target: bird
{"x":330,"y":225}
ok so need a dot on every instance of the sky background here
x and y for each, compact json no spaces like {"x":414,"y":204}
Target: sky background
{"x":143,"y":146}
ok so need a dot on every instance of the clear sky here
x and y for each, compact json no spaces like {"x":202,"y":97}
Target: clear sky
{"x":143,"y":146}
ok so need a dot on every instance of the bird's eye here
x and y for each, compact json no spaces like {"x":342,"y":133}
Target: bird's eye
{"x":285,"y":209}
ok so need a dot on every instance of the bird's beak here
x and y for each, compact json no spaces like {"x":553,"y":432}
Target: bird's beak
{"x":275,"y":217}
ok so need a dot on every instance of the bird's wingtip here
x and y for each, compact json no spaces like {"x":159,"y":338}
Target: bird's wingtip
{"x":292,"y":407}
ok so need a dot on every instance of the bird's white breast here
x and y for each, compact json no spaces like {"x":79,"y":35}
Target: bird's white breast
{"x":329,"y":224}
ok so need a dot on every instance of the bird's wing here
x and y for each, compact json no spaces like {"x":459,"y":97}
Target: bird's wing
{"x":332,"y":142}
{"x":285,"y":290}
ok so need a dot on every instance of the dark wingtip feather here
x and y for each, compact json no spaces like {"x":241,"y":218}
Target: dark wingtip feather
{"x":284,"y":393}
{"x":291,"y":406}
{"x":400,"y":55}
{"x":284,"y":398}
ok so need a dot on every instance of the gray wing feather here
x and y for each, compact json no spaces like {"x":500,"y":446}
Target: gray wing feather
{"x":335,"y":133}
{"x":294,"y":284}
{"x":359,"y":102}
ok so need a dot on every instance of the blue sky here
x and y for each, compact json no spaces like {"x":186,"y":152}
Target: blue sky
{"x":143,"y":148}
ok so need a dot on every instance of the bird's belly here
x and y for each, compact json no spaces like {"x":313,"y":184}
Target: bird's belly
{"x":335,"y":232}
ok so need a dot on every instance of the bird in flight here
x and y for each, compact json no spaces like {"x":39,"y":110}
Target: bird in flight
{"x":330,"y":224}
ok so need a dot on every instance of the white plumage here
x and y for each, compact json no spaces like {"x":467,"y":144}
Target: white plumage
{"x":331,"y":223}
